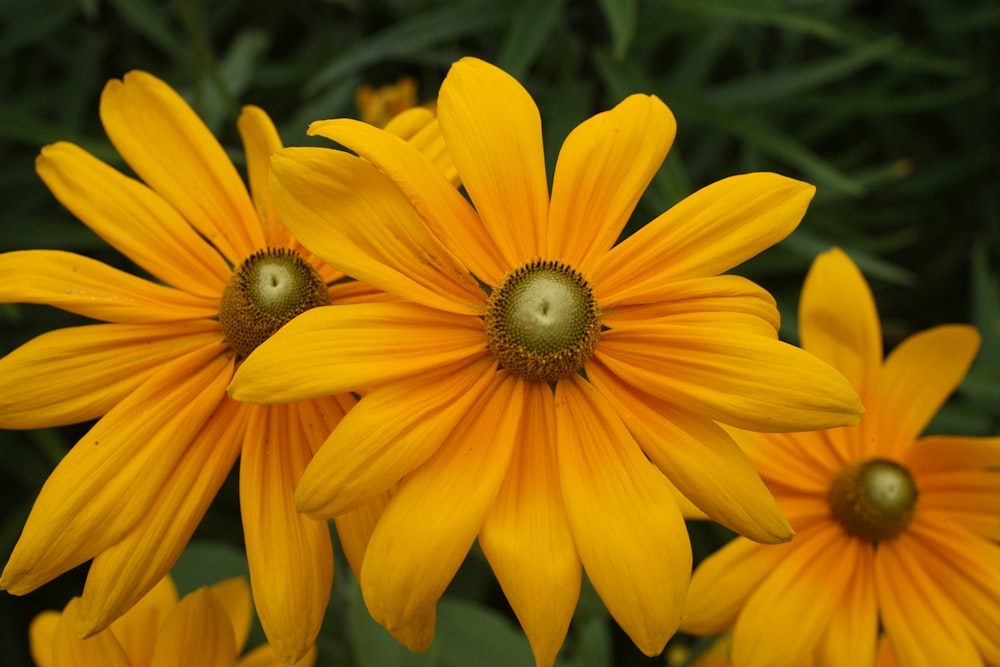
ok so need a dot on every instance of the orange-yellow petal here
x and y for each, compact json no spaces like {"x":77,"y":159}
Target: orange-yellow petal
{"x":526,"y":535}
{"x":437,"y":510}
{"x":260,"y":141}
{"x":699,"y":458}
{"x":852,"y":635}
{"x":290,"y":555}
{"x":133,"y":219}
{"x":603,"y":168}
{"x":264,"y":656}
{"x":69,"y":650}
{"x":197,"y":633}
{"x":90,"y":288}
{"x":494,"y":133}
{"x":709,"y":232}
{"x":420,"y":128}
{"x":355,"y":528}
{"x":388,"y":434}
{"x":951,"y":453}
{"x":969,"y":498}
{"x":169,"y":147}
{"x":41,"y":637}
{"x":334,"y":349}
{"x":625,"y":523}
{"x":349,"y":213}
{"x":798,"y":462}
{"x":234,"y":596}
{"x":137,"y":629}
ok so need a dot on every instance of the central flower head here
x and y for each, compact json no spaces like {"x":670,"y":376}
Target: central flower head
{"x":543,"y":321}
{"x":873,"y":499}
{"x":267,"y":289}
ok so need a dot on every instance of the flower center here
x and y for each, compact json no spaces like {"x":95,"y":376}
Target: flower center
{"x":266,"y":290}
{"x":873,"y":499}
{"x":543,"y":321}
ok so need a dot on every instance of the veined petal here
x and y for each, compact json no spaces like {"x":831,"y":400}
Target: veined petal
{"x":799,"y":596}
{"x":699,"y":458}
{"x":355,"y":528}
{"x":852,"y":635}
{"x":264,"y":656}
{"x":709,"y":232}
{"x":122,"y":573}
{"x":197,"y":634}
{"x":260,"y":141}
{"x":969,"y":498}
{"x":109,"y":479}
{"x":290,"y":555}
{"x":420,"y":128}
{"x":136,"y":630}
{"x":90,"y":288}
{"x":388,"y":434}
{"x":604,"y":167}
{"x":133,"y":219}
{"x":170,"y":148}
{"x":234,"y":596}
{"x":437,"y":510}
{"x":349,"y":213}
{"x":949,"y":453}
{"x":526,"y":535}
{"x":494,"y":133}
{"x":436,"y":200}
{"x":42,"y":637}
{"x":722,"y":583}
{"x":626,"y":525}
{"x":92,"y":368}
{"x":797,"y":462}
{"x":838,"y":321}
{"x":917,"y":378}
{"x":736,"y":377}
{"x":335,"y":349}
{"x":69,"y":650}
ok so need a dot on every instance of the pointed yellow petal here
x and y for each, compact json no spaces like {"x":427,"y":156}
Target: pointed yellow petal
{"x":41,"y":637}
{"x":124,"y":571}
{"x":136,"y":631}
{"x":260,"y":141}
{"x":349,"y":213}
{"x":918,"y":376}
{"x":852,"y":635}
{"x":197,"y":634}
{"x":798,"y":462}
{"x":334,"y":349}
{"x":699,"y":458}
{"x":95,"y":366}
{"x":110,"y":478}
{"x":604,"y":167}
{"x":355,"y":528}
{"x":234,"y":596}
{"x":711,"y":231}
{"x":133,"y":219}
{"x":628,"y":531}
{"x":87,"y":287}
{"x":444,"y":210}
{"x":420,"y":128}
{"x":418,"y":634}
{"x":526,"y":535}
{"x":730,"y":373}
{"x":170,"y":148}
{"x":290,"y":555}
{"x":69,"y":650}
{"x":436,"y":512}
{"x":263,"y":656}
{"x":386,"y":436}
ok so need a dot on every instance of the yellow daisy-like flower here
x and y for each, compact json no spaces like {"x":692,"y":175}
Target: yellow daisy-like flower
{"x":207,"y":628}
{"x":226,"y":274}
{"x":380,"y":105}
{"x":893,"y":532}
{"x":553,"y":412}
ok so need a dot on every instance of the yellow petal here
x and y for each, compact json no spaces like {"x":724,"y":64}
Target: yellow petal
{"x":436,"y":512}
{"x":852,"y":635}
{"x":290,"y":555}
{"x":709,"y":232}
{"x":260,"y":141}
{"x":734,"y":376}
{"x":418,"y":634}
{"x":604,"y":167}
{"x":234,"y":596}
{"x":138,"y":628}
{"x":349,"y":213}
{"x":948,"y":453}
{"x":918,"y":376}
{"x":526,"y":535}
{"x":41,"y":637}
{"x":699,"y":458}
{"x":264,"y":656}
{"x":109,"y":479}
{"x":197,"y":634}
{"x":494,"y":133}
{"x":444,"y":210}
{"x":355,"y":528}
{"x":420,"y":128}
{"x":69,"y":650}
{"x":798,"y":462}
{"x":90,"y":288}
{"x":125,"y":570}
{"x":388,"y":434}
{"x":335,"y":349}
{"x":626,"y":525}
{"x":170,"y":148}
{"x":96,"y":366}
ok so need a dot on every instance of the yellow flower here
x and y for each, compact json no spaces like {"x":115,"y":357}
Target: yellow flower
{"x":893,"y":532}
{"x":226,"y":274}
{"x":380,"y":105}
{"x":551,"y":413}
{"x":207,"y":628}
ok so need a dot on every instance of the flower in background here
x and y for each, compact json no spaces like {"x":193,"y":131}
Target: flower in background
{"x":225,"y":275}
{"x":537,"y":385}
{"x":207,"y":628}
{"x":893,"y":531}
{"x":380,"y":105}
{"x":718,"y":652}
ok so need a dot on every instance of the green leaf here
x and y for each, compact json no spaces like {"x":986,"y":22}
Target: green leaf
{"x":622,"y":17}
{"x":151,"y":20}
{"x":204,"y":563}
{"x":531,"y":28}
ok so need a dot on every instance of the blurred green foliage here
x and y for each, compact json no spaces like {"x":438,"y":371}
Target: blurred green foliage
{"x":891,"y":109}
